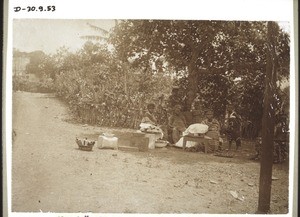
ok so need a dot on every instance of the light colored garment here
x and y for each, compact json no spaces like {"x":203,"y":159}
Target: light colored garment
{"x":190,"y":144}
{"x":193,"y":129}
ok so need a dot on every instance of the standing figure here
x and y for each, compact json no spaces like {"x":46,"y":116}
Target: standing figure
{"x":177,"y":123}
{"x":162,"y":116}
{"x":233,"y":122}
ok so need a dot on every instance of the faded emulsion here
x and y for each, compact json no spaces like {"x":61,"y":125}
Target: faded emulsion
{"x":150,"y":116}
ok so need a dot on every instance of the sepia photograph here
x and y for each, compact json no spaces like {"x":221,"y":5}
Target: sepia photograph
{"x":150,"y":116}
{"x":153,"y":115}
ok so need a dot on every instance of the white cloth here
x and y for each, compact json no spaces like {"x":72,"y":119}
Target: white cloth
{"x":192,"y":129}
{"x":189,"y":144}
{"x":196,"y":129}
{"x":150,"y":128}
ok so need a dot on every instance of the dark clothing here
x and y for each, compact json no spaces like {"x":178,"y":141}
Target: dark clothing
{"x":149,"y":118}
{"x":234,"y":131}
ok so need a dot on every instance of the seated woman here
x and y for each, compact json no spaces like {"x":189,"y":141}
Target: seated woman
{"x":177,"y":123}
{"x":149,"y":122}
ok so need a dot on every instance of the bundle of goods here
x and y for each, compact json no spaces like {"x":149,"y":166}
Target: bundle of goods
{"x":196,"y":130}
{"x":107,"y":140}
{"x":149,"y":128}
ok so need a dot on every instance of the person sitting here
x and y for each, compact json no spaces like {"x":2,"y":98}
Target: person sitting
{"x":177,"y":123}
{"x":149,"y":122}
{"x":208,"y":129}
{"x":149,"y":117}
{"x":213,"y":129}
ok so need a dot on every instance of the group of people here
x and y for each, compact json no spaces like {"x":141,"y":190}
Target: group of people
{"x":177,"y":125}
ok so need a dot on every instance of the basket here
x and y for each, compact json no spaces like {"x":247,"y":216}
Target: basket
{"x":85,"y":145}
{"x":86,"y":148}
{"x":161,"y":143}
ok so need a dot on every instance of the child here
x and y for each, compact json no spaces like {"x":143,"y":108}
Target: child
{"x":149,"y":117}
{"x":213,"y":128}
{"x":233,"y":123}
{"x":213,"y":125}
{"x":234,"y":132}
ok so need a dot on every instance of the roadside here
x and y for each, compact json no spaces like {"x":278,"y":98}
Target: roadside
{"x":50,"y":174}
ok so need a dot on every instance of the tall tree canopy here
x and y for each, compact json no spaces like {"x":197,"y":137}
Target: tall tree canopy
{"x":213,"y":62}
{"x":220,"y":61}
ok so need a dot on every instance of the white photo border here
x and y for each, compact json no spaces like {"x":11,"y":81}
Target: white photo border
{"x":250,"y":10}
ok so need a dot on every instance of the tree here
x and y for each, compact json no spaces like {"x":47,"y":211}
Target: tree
{"x":180,"y":43}
{"x":268,"y":121}
{"x":185,"y":45}
{"x":218,"y":62}
{"x":102,"y":36}
{"x":208,"y":55}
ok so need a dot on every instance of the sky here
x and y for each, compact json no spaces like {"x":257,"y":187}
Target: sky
{"x":49,"y":35}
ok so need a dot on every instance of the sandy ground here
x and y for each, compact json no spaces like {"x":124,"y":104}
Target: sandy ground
{"x":50,"y":174}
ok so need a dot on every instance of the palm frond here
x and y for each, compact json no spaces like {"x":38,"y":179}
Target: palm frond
{"x":99,"y":29}
{"x":93,"y":37}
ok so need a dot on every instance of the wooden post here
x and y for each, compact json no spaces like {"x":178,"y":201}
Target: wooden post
{"x":266,"y":163}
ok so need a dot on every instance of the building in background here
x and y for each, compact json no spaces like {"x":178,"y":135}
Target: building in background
{"x":20,"y":61}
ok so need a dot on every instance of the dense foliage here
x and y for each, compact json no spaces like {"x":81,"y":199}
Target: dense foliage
{"x":24,"y":83}
{"x":101,"y":89}
{"x":217,"y":62}
{"x":211,"y":63}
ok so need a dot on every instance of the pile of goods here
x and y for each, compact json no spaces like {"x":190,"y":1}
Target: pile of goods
{"x":149,"y":128}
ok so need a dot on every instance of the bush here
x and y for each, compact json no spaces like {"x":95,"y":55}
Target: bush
{"x":23,"y":83}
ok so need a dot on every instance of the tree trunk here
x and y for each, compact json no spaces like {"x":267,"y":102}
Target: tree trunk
{"x":192,"y":80}
{"x":268,"y":125}
{"x":125,"y":71}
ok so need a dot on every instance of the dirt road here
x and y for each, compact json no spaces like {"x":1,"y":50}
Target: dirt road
{"x":50,"y":174}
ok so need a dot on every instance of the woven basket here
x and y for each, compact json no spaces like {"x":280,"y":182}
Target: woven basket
{"x":85,"y":147}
